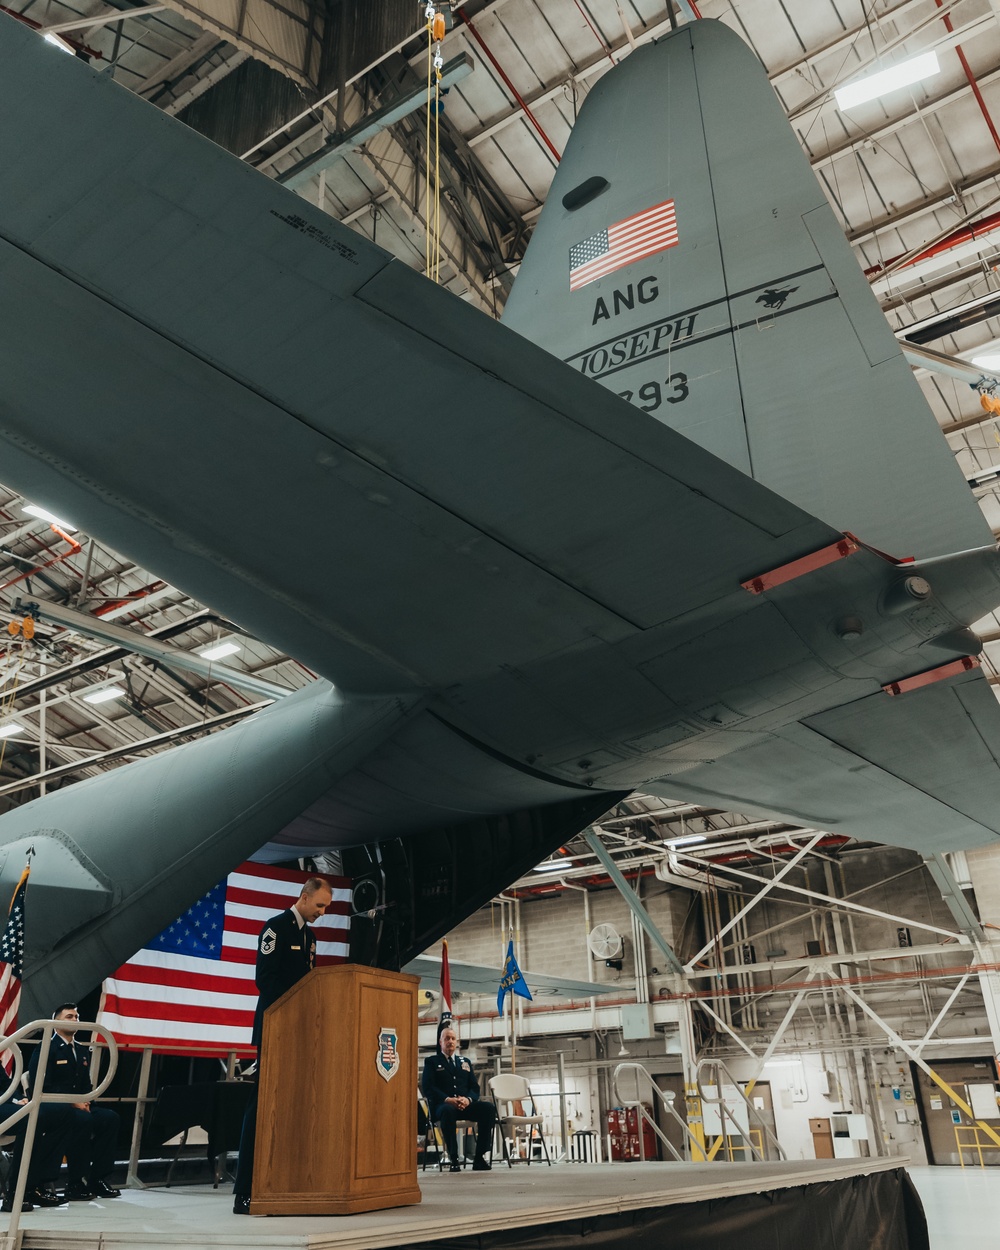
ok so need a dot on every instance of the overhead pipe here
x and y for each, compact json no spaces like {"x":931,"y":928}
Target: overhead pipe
{"x":522,"y":103}
{"x":74,"y":549}
{"x":965,"y":234}
{"x":972,"y":81}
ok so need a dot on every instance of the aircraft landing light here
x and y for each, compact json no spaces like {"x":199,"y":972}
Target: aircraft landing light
{"x":846,"y":546}
{"x":951,"y":669}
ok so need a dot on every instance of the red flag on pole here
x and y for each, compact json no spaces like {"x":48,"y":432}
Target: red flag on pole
{"x":446,"y":1017}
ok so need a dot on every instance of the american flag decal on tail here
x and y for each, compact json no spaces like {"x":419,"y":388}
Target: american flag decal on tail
{"x":627,"y":241}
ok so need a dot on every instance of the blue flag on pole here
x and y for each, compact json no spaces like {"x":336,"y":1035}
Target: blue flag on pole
{"x":511,"y":981}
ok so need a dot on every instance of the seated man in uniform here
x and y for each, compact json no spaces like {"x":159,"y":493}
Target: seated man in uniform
{"x":53,"y":1137}
{"x":452,"y":1093}
{"x":90,"y":1154}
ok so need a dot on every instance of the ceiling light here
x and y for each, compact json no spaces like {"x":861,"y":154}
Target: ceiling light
{"x":11,"y":728}
{"x":104,"y":695}
{"x":219,"y":650}
{"x":552,"y":865}
{"x":689,"y":840}
{"x":916,"y":69}
{"x":34,"y":510}
{"x":990,"y":361}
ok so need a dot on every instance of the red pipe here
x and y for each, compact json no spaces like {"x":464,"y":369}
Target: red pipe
{"x":963,"y":235}
{"x":972,"y":81}
{"x":510,"y":86}
{"x":74,"y":548}
{"x":743,"y":992}
{"x":583,"y":14}
{"x":112,"y":604}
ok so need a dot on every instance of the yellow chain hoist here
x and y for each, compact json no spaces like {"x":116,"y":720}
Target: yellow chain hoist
{"x":436,"y":27}
{"x":24,"y":628}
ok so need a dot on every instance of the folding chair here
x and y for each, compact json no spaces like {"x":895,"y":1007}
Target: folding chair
{"x":433,"y":1134}
{"x":510,"y":1093}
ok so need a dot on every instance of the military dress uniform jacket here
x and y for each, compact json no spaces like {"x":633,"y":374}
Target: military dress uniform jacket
{"x":443,"y":1078}
{"x":285,"y":953}
{"x":68,"y":1068}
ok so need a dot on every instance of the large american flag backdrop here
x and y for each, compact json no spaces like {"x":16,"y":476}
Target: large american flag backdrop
{"x":192,"y":990}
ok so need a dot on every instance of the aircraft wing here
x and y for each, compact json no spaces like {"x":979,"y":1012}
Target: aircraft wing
{"x":921,"y":769}
{"x":210,"y":375}
{"x":481,"y":979}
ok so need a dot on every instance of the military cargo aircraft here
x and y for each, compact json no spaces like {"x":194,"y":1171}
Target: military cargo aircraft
{"x":682,"y":522}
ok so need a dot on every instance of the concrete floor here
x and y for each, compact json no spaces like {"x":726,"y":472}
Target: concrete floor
{"x":962,"y":1206}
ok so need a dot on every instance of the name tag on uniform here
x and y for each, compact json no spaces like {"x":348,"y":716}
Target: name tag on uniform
{"x":296,"y":948}
{"x":59,"y":1061}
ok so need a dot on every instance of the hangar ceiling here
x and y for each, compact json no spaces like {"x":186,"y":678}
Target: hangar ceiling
{"x":913,"y":177}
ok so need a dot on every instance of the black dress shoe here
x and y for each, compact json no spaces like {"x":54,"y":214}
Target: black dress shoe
{"x":45,"y":1198}
{"x":480,"y":1165}
{"x":8,"y":1205}
{"x":455,"y":1167}
{"x":241,"y":1205}
{"x":79,"y":1193}
{"x":102,"y":1189}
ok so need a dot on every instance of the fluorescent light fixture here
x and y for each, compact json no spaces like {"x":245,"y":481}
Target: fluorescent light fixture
{"x":104,"y":695}
{"x":690,"y":840}
{"x":10,"y":729}
{"x":553,"y":865}
{"x":983,"y":477}
{"x":45,"y":515}
{"x":991,"y":361}
{"x":219,"y":650}
{"x":916,"y":69}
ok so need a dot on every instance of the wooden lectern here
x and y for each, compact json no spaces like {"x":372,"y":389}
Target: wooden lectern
{"x":337,"y":1104}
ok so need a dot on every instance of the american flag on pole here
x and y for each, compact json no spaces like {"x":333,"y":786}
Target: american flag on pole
{"x":192,"y":989}
{"x":11,"y":967}
{"x":627,"y":241}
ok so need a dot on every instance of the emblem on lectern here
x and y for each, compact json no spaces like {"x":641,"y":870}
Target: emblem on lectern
{"x":387,"y":1059}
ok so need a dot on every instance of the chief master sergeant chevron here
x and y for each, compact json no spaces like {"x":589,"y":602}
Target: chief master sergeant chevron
{"x":286,"y":951}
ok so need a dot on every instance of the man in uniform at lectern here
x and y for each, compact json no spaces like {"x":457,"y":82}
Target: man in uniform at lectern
{"x":286,"y":951}
{"x":452,"y":1093}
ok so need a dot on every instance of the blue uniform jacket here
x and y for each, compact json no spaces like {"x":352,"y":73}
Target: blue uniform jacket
{"x":442,"y":1080}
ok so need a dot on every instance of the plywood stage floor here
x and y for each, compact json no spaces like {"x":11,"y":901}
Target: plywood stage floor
{"x":200,"y":1218}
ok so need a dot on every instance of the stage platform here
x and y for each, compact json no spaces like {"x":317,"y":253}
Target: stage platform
{"x":857,"y":1204}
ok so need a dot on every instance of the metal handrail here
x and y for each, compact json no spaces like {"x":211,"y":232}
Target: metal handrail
{"x":29,"y":1109}
{"x":724,"y":1110}
{"x":666,"y":1098}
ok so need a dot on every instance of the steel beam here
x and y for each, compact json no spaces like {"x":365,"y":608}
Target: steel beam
{"x":337,"y":147}
{"x":822,"y":898}
{"x":635,"y":903}
{"x":102,"y":19}
{"x":133,"y":748}
{"x":775,"y":880}
{"x":139,"y":644}
{"x":957,"y":903}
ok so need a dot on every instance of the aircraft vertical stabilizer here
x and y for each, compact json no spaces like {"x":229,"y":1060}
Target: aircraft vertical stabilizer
{"x":688,"y":260}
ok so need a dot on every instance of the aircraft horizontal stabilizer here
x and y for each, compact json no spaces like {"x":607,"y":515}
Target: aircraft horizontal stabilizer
{"x":921,"y":769}
{"x":119,"y":856}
